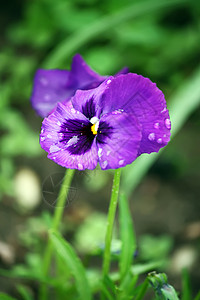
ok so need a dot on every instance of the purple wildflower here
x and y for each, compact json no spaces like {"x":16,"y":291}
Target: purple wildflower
{"x":53,"y":86}
{"x":112,"y":124}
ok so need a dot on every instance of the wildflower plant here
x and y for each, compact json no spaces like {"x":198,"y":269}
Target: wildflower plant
{"x":106,"y":120}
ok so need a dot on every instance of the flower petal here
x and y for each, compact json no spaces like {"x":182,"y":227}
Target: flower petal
{"x":118,"y":139}
{"x":139,"y":95}
{"x":89,"y":102}
{"x":49,"y":87}
{"x":82,"y":76}
{"x":67,"y":137}
{"x":53,"y":86}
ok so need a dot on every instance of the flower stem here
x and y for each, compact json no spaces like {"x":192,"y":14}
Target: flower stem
{"x":110,"y":221}
{"x":60,"y":206}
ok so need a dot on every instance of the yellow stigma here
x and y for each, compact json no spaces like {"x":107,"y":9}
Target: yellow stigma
{"x":93,"y":129}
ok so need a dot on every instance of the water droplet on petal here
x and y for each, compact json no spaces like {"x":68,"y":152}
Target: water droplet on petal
{"x":108,"y":152}
{"x":156,"y":125}
{"x":121,"y":162}
{"x":80,"y":166}
{"x":159,"y":141}
{"x":104,"y":164}
{"x":73,"y":110}
{"x":100,"y":152}
{"x":168,"y":123}
{"x":164,"y":110}
{"x":54,"y":148}
{"x":73,"y":141}
{"x":151,"y":136}
{"x":49,"y":136}
{"x":44,"y":81}
{"x":42,"y":138}
{"x":108,"y":81}
{"x":42,"y":130}
{"x":58,"y":123}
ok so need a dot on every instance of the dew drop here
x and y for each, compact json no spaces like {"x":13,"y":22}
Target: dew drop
{"x":100,"y":152}
{"x":164,"y":110}
{"x":156,"y":125}
{"x":42,"y":138}
{"x":58,"y":123}
{"x":121,"y":162}
{"x":104,"y":164}
{"x":43,"y":81}
{"x":159,"y":141}
{"x":73,"y":141}
{"x":168,"y":123}
{"x":108,"y":81}
{"x":151,"y":136}
{"x":49,"y":136}
{"x":80,"y":166}
{"x":73,"y":110}
{"x":54,"y":148}
{"x":108,"y":152}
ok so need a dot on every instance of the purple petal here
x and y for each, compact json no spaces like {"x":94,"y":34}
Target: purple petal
{"x":48,"y":89}
{"x":125,"y":70}
{"x":82,"y":76}
{"x":118,"y":140}
{"x":89,"y":102}
{"x":53,"y":86}
{"x":63,"y":136}
{"x":139,"y":95}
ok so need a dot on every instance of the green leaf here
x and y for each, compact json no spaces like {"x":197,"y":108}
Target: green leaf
{"x":147,"y":267}
{"x":24,"y":292}
{"x":127,"y":288}
{"x":197,"y":296}
{"x":141,"y":290}
{"x":186,"y":288}
{"x":108,"y":288}
{"x":127,"y":236}
{"x":72,"y":262}
{"x":6,"y":297}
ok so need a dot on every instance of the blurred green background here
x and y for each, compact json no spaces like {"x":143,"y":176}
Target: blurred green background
{"x":158,"y":39}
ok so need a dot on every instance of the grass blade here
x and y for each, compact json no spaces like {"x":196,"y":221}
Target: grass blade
{"x":186,"y":289}
{"x":73,"y":263}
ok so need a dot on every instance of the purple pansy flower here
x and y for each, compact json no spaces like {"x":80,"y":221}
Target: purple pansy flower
{"x":111,"y":125}
{"x":53,"y":86}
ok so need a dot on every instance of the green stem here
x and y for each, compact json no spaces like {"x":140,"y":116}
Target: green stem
{"x":110,"y":221}
{"x":60,"y":206}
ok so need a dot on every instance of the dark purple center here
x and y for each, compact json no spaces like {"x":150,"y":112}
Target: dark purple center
{"x":78,"y":138}
{"x":77,"y":135}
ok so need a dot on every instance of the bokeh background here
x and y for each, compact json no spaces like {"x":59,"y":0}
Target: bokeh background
{"x":158,"y":39}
